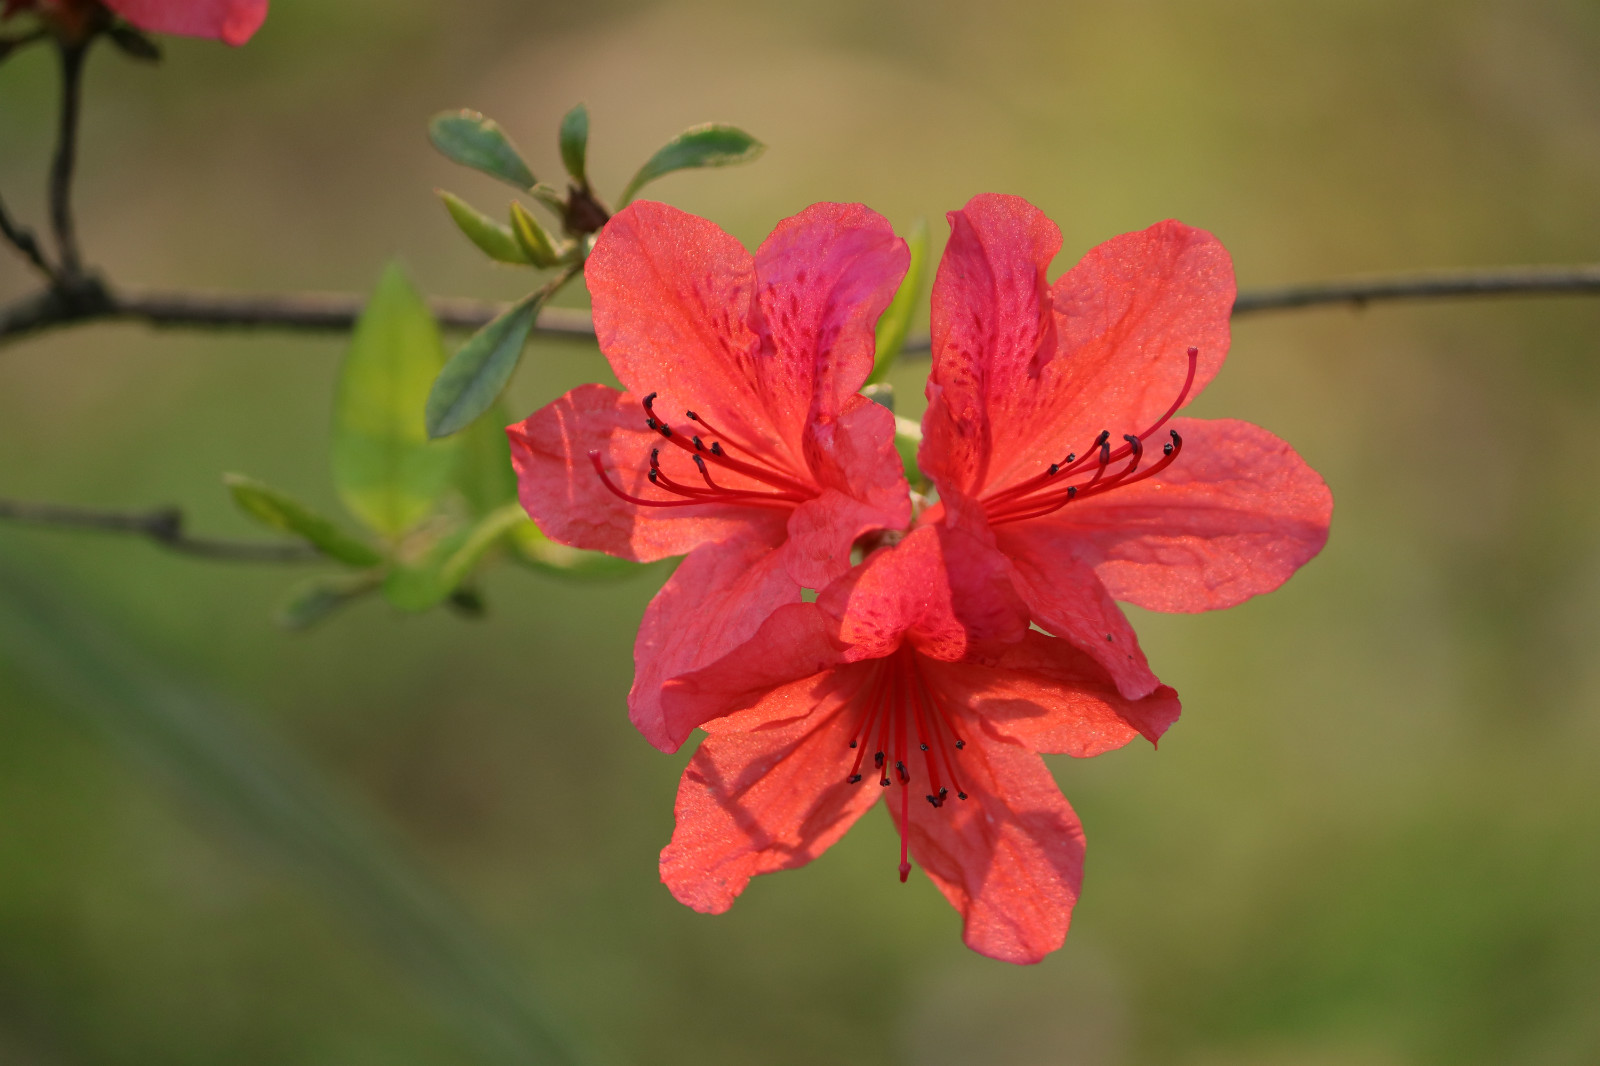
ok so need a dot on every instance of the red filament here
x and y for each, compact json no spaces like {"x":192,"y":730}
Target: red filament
{"x":785,"y":492}
{"x":1052,"y":490}
{"x":899,"y":710}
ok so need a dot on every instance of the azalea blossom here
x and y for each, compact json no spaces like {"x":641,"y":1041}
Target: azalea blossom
{"x":915,"y":678}
{"x":232,"y":21}
{"x":1052,"y":422}
{"x":739,"y":438}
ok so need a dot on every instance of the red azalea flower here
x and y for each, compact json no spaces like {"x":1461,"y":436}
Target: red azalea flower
{"x":233,"y":21}
{"x":741,"y":439}
{"x":1050,"y":421}
{"x":914,"y":678}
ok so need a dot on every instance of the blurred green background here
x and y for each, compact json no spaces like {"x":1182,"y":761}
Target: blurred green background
{"x":1374,"y":838}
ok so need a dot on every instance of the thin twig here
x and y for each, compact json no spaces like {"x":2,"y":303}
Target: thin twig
{"x":1504,"y":281}
{"x":337,"y":312}
{"x":164,"y":526}
{"x":66,"y":161}
{"x":24,"y":241}
{"x":300,"y":312}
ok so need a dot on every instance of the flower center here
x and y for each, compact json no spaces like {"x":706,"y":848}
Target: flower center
{"x":772,"y":488}
{"x":1075,"y":478}
{"x":900,"y":709}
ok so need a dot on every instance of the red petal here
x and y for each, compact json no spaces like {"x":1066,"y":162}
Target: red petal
{"x":992,"y":328}
{"x":1015,"y":387}
{"x":1126,"y":316}
{"x":715,"y":601}
{"x":566,"y":498}
{"x":1235,"y":516}
{"x":1049,"y":696}
{"x":865,"y":490}
{"x":772,"y":798}
{"x":674,"y":310}
{"x":825,"y":276}
{"x":1009,"y":857}
{"x":1067,"y":599}
{"x":945,"y":590}
{"x":233,"y":21}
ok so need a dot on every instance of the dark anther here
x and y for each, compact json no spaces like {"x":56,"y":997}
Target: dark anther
{"x":934,"y":800}
{"x":692,"y":416}
{"x":961,"y":795}
{"x":1071,"y":458}
{"x":852,"y":743}
{"x":655,"y":456}
{"x":698,"y":446}
{"x":1072,"y":490}
{"x":654,"y":474}
{"x":960,"y":744}
{"x":650,"y":399}
{"x":885,"y":781}
{"x":900,"y":768}
{"x":1176,"y":440}
{"x":701,"y":463}
{"x":943,"y":792}
{"x":877,"y":759}
{"x":666,"y":430}
{"x":1053,"y":470}
{"x":716,"y":447}
{"x":924,"y":747}
{"x":652,"y":423}
{"x":1105,"y":450}
{"x":1135,"y":444}
{"x":854,"y":779}
{"x":1166,"y":449}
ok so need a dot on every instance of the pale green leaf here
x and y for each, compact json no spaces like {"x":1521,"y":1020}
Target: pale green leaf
{"x":539,"y":552}
{"x":389,"y":474}
{"x":493,"y":240}
{"x":311,"y":602}
{"x":575,"y":143}
{"x":283,"y":512}
{"x":532,"y":239}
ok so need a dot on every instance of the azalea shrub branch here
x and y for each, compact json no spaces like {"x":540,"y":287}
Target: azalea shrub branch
{"x":337,"y":312}
{"x":163,"y":525}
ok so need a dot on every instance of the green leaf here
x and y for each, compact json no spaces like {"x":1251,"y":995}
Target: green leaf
{"x":575,"y":143}
{"x":493,"y":240}
{"x":313,"y":601}
{"x":283,"y":512}
{"x":710,"y":145}
{"x":484,"y":475}
{"x":419,"y":584}
{"x":389,"y":474}
{"x":907,"y":439}
{"x":539,"y":552}
{"x":895,"y":322}
{"x":468,"y":138}
{"x":475,"y":376}
{"x":489,"y":532}
{"x":532,"y":240}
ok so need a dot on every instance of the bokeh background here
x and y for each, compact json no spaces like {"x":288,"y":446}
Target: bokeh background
{"x":1374,"y":838}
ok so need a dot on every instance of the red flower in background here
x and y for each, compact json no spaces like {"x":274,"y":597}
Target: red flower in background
{"x":915,"y":678}
{"x":1050,"y":422}
{"x":740,"y":439}
{"x":233,"y":21}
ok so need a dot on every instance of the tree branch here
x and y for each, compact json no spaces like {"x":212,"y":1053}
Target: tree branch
{"x":337,"y":312}
{"x":66,"y":160}
{"x":23,"y":241}
{"x":164,"y":526}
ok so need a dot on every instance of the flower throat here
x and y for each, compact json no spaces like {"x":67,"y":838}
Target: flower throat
{"x":900,"y":709}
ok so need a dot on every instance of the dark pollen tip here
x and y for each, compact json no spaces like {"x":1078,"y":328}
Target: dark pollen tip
{"x":960,"y":744}
{"x":961,"y":795}
{"x":852,"y":743}
{"x":854,"y":779}
{"x":924,"y":747}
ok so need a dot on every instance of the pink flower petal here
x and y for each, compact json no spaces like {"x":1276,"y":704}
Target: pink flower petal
{"x":1009,"y":857}
{"x":232,"y":21}
{"x":1236,"y":516}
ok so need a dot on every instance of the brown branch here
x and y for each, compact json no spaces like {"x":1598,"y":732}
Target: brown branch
{"x":337,"y":312}
{"x":23,"y":240}
{"x":1504,"y":281}
{"x":301,"y":312}
{"x":66,"y":160}
{"x":163,"y":525}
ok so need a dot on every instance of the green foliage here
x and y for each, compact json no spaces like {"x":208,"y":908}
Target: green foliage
{"x":895,"y":322}
{"x":537,"y":551}
{"x":388,"y":472}
{"x":493,"y":239}
{"x":535,"y":244}
{"x":575,"y":143}
{"x":314,"y":600}
{"x":468,"y":138}
{"x":476,"y":375}
{"x":283,"y":512}
{"x":710,"y":145}
{"x":907,"y":439}
{"x":484,"y":475}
